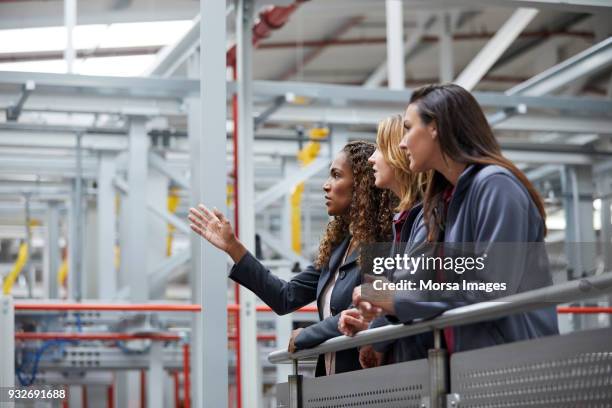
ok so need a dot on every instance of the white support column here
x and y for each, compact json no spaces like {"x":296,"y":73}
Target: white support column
{"x":194,"y":131}
{"x":213,"y":356}
{"x":156,"y":376}
{"x":70,"y":16}
{"x":446,"y":47}
{"x":107,"y":220}
{"x":605,"y":234}
{"x":378,"y":76}
{"x":395,"y":43}
{"x":136,"y":210}
{"x":503,"y":38}
{"x":7,"y":345}
{"x":157,"y":227}
{"x":52,"y":250}
{"x":580,"y":239}
{"x":250,"y":370}
{"x":90,"y":273}
{"x":76,"y":241}
{"x":284,"y":326}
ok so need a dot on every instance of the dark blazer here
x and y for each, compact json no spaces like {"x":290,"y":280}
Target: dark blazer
{"x":489,"y":205}
{"x":285,"y":297}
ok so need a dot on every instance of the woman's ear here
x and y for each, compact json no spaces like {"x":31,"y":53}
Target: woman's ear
{"x":434,"y":131}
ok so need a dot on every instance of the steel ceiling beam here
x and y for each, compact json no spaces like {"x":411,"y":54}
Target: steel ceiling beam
{"x":576,"y":6}
{"x":148,"y":88}
{"x":505,"y":36}
{"x":588,"y":62}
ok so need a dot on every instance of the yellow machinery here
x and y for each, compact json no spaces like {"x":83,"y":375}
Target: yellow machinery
{"x":305,"y":156}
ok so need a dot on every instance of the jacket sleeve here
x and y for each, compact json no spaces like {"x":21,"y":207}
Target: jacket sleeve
{"x":282,"y":296}
{"x":317,"y":333}
{"x":501,"y":228}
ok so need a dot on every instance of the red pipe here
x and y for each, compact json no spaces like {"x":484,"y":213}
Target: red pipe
{"x":186,"y":376}
{"x":137,"y":307}
{"x":84,"y":396}
{"x":262,"y":337}
{"x":110,"y":307}
{"x":27,"y":336}
{"x":425,"y":39}
{"x":584,"y":309}
{"x":273,"y":18}
{"x":32,"y":336}
{"x":143,"y":389}
{"x":264,"y":308}
{"x":111,"y":395}
{"x":177,"y":397}
{"x":237,"y":232}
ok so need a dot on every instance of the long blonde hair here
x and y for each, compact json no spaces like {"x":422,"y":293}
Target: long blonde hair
{"x":388,"y":138}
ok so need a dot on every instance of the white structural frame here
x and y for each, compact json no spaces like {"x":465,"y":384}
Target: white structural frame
{"x":250,"y":372}
{"x":395,"y":43}
{"x":488,"y":55}
{"x":211,"y":386}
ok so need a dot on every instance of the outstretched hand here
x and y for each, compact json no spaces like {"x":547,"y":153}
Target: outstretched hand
{"x":216,"y":229}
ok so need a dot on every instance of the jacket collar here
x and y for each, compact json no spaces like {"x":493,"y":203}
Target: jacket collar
{"x":463,"y":183}
{"x":338,"y":253}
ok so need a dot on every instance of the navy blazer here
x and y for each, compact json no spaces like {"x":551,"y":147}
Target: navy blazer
{"x":489,"y":205}
{"x":307,"y":286}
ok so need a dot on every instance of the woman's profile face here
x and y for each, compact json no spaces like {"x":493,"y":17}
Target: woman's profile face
{"x":420,"y":141}
{"x":383,"y":172}
{"x":339,"y":186}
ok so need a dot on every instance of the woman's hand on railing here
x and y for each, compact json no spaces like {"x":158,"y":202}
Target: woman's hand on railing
{"x":352,"y":322}
{"x":368,"y":357}
{"x":375,"y":304}
{"x":291,"y":347}
{"x":216,"y":229}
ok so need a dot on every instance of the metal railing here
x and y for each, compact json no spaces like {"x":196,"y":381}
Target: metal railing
{"x":438,"y":359}
{"x":584,"y":288}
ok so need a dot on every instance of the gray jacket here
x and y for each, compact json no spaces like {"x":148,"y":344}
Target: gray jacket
{"x":285,"y":297}
{"x":489,"y":206}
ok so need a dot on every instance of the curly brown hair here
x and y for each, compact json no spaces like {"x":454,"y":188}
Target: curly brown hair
{"x":370,"y":214}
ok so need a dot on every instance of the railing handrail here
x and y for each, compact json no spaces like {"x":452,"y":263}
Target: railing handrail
{"x":579,"y":289}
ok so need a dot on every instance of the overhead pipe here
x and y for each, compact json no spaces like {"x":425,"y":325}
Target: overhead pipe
{"x":584,"y":310}
{"x":124,"y":307}
{"x":271,"y":19}
{"x":586,"y":35}
{"x":31,"y":336}
{"x":109,"y":307}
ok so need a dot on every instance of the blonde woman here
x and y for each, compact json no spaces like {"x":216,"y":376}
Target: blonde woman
{"x":391,"y":171}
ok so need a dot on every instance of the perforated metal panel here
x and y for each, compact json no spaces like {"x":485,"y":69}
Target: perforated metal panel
{"x":394,"y":386}
{"x":573,"y":370}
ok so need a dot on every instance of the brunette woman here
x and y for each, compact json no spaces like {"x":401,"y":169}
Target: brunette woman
{"x":476,"y":198}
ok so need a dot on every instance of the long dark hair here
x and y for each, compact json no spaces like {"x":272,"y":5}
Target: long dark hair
{"x":370,"y":215}
{"x":464,"y":135}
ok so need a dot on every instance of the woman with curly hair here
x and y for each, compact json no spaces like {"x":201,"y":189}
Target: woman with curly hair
{"x":391,"y":171}
{"x":361,"y":214}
